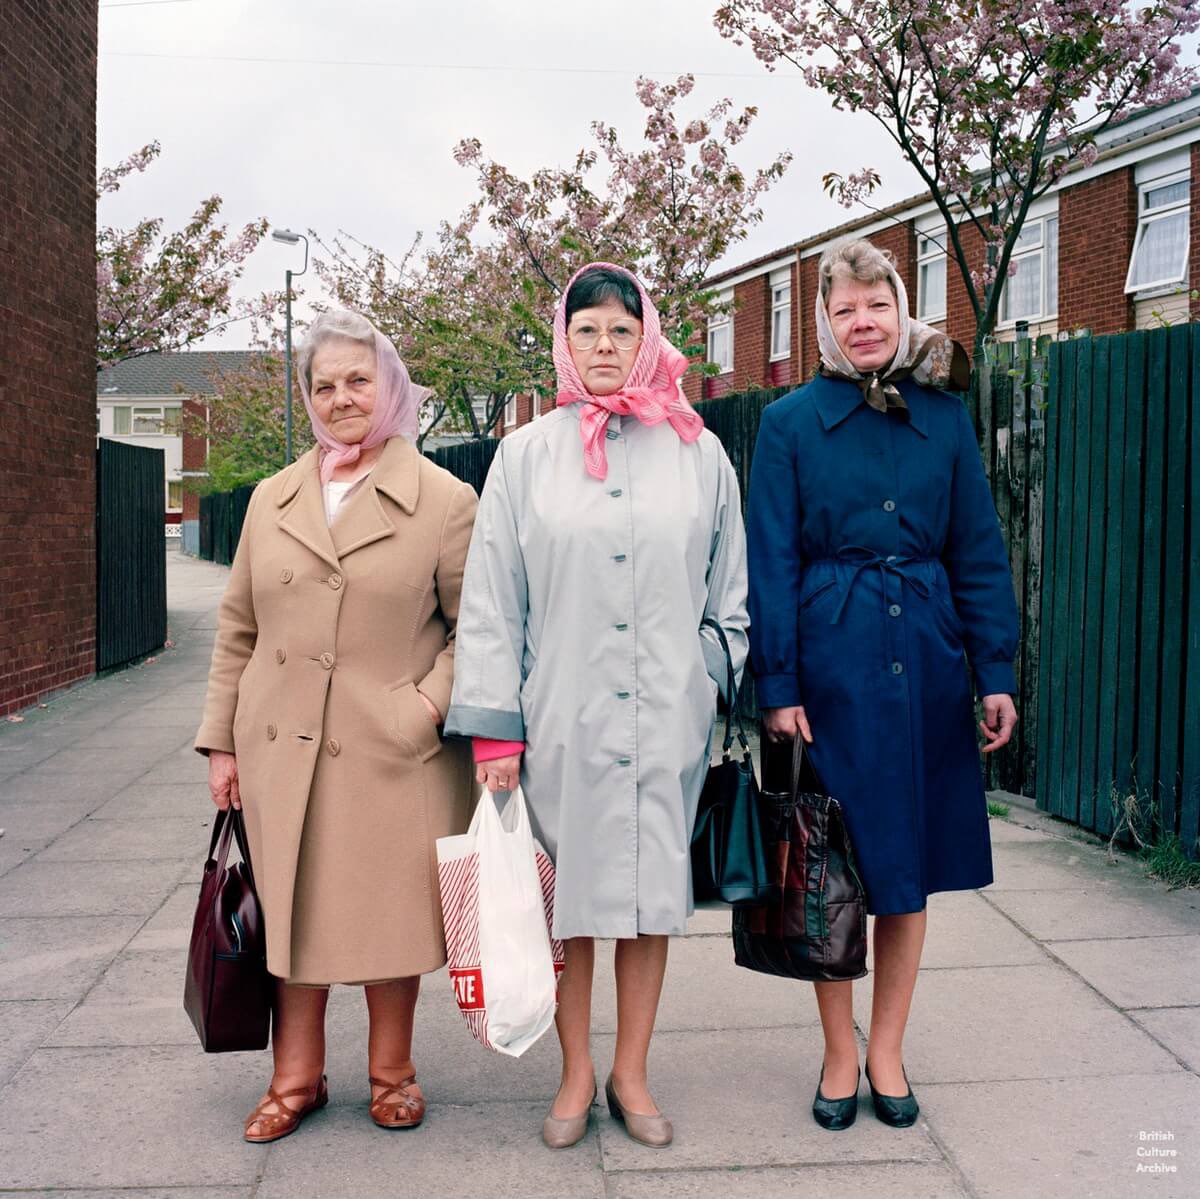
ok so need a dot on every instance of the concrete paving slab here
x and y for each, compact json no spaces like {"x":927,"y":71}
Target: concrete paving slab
{"x":1132,"y":910}
{"x":1054,"y":865}
{"x":763,"y":1121}
{"x":29,"y":828}
{"x":710,"y":922}
{"x":24,"y":1025}
{"x":1071,"y":1138}
{"x":147,"y":801}
{"x":492,"y":1149}
{"x":38,"y":888}
{"x":44,"y":958}
{"x":29,"y":788}
{"x":120,"y":734}
{"x":176,"y":769}
{"x":130,"y":1096}
{"x":156,"y":1193}
{"x":170,"y":927}
{"x":1178,"y":1028}
{"x":1006,"y":832}
{"x":964,"y":930}
{"x":886,"y":1180}
{"x":1139,"y":972}
{"x":1016,"y":1022}
{"x":175,"y":838}
{"x":704,"y":989}
{"x":130,"y":761}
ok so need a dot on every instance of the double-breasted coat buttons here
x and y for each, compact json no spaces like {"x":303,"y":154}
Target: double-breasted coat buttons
{"x":272,"y":732}
{"x":334,"y":746}
{"x":335,"y":581}
{"x":285,"y":575}
{"x":281,"y":656}
{"x":326,"y":660}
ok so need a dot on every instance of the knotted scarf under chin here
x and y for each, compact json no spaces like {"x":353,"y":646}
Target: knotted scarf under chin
{"x":650,"y":405}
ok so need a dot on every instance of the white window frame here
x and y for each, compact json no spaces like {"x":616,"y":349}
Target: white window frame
{"x":174,"y":483}
{"x":717,"y":322}
{"x":510,"y":412}
{"x":780,"y":283}
{"x":1145,"y":219}
{"x":128,"y":410}
{"x":1041,"y":247}
{"x":935,"y":249}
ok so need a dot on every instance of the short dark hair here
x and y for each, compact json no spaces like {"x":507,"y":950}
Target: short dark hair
{"x":598,"y":286}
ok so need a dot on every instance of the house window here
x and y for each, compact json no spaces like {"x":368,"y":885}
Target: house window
{"x":1032,"y":293}
{"x":174,"y":495}
{"x":121,"y":420}
{"x":781,"y":319}
{"x":1160,"y":249}
{"x":720,"y":341}
{"x":931,"y":277}
{"x":172,"y":423}
{"x":510,"y":412}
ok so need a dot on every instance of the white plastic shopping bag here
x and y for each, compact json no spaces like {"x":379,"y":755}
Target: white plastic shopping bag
{"x":497,"y":887}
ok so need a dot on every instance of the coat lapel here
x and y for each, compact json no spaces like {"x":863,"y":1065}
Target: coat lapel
{"x":364,"y":519}
{"x":302,"y":512}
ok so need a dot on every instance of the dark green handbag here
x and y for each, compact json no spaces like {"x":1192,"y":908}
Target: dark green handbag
{"x":729,"y":853}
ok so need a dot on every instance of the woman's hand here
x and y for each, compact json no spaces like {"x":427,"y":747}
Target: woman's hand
{"x":223,"y":779}
{"x":999,"y":721}
{"x":500,"y":774}
{"x":431,"y":708}
{"x":783,"y":724}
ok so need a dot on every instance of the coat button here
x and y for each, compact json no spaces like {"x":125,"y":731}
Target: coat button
{"x":611,"y":435}
{"x":891,"y":557}
{"x":335,"y":581}
{"x":285,"y":575}
{"x":622,"y":695}
{"x":615,"y":494}
{"x":334,"y":746}
{"x":326,"y":660}
{"x":624,"y":762}
{"x":281,"y":656}
{"x":889,"y":505}
{"x":620,"y":627}
{"x":894,"y":610}
{"x":897,"y":668}
{"x":618,"y":557}
{"x":272,"y":732}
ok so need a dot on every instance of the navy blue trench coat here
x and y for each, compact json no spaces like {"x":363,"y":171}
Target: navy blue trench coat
{"x":877,"y":572}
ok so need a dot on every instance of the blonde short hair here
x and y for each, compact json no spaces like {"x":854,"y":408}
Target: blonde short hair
{"x":337,"y":322}
{"x":855,"y":258}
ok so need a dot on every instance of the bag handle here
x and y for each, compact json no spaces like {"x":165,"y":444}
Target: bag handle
{"x":799,"y":749}
{"x":230,"y":826}
{"x":732,"y":692}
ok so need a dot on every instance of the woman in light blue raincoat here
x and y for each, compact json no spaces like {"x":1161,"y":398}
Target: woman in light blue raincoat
{"x":608,"y":531}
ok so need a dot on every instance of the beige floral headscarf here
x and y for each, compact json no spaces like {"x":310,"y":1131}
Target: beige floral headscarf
{"x":923,"y":354}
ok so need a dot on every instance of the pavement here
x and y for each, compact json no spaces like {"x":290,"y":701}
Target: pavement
{"x":1054,"y":1042}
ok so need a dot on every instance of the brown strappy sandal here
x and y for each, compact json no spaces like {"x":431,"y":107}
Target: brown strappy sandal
{"x":286,"y":1120}
{"x":396,"y":1106}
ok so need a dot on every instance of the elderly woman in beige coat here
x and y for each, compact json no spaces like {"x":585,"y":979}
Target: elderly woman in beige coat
{"x":331,"y":674}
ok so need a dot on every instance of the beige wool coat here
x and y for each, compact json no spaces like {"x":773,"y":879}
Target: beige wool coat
{"x":325,"y":634}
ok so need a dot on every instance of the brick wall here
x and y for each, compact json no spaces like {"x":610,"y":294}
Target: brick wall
{"x":47,"y":348}
{"x":960,"y":316}
{"x":195,"y":455}
{"x":1097,"y":221}
{"x":751,"y":334}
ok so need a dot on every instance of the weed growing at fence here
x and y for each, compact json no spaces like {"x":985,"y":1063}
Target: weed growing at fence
{"x":1163,"y":855}
{"x":997,"y":809}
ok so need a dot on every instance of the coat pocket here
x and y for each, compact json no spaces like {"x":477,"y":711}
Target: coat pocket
{"x":414,"y":724}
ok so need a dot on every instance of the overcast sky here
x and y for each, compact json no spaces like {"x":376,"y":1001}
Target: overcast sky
{"x":327,"y":141}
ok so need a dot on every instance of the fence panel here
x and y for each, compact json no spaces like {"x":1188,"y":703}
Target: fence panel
{"x":1120,"y":700}
{"x":131,"y":553}
{"x":470,"y":461}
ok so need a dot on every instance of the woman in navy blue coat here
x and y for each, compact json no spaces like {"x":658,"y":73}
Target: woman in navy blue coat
{"x":877,"y":574}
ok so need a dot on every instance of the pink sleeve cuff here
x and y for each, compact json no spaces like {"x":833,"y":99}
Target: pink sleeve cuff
{"x":486,"y":750}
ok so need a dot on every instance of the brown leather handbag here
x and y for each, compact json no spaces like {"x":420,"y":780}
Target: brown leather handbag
{"x":817,"y":931}
{"x":228,"y":991}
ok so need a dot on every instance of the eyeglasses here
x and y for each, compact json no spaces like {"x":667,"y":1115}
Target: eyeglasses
{"x":586,"y":337}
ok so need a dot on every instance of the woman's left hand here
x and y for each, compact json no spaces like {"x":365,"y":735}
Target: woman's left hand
{"x":999,"y":721}
{"x":431,"y":708}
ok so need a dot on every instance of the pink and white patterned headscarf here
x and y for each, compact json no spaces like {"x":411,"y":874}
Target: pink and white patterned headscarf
{"x":652,"y":393}
{"x":397,"y":403}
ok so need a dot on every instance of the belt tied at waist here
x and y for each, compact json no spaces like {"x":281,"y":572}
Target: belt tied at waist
{"x":862,"y":559}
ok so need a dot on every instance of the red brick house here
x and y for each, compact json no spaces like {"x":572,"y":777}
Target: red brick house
{"x":1115,"y":246}
{"x":47,"y":349}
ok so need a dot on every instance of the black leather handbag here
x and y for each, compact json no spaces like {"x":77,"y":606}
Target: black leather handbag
{"x":228,"y":992}
{"x":729,"y":855}
{"x":817,"y":929}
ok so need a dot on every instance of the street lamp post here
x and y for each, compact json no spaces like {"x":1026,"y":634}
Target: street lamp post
{"x":289,"y":238}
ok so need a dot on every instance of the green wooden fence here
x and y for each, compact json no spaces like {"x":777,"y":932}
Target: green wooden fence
{"x":1118,"y":724}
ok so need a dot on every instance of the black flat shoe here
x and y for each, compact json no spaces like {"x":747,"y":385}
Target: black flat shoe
{"x":897,"y":1111}
{"x":835,"y":1114}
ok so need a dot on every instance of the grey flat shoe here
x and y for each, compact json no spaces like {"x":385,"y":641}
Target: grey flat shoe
{"x":563,"y":1133}
{"x":655,"y":1131}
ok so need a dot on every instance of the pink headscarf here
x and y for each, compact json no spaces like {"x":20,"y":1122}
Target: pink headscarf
{"x":397,"y":402}
{"x":651,"y":393}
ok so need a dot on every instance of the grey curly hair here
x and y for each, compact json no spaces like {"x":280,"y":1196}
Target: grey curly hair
{"x":855,"y":258}
{"x":337,"y":322}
